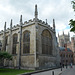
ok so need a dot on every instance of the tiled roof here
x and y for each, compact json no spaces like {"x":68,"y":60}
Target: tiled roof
{"x":63,"y":49}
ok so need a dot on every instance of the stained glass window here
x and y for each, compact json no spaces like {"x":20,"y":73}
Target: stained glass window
{"x":46,"y":42}
{"x":26,"y":42}
{"x":15,"y":37}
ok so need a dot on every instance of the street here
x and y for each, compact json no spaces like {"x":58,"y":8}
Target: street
{"x":69,"y":71}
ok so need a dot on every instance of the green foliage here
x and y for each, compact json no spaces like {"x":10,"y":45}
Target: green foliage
{"x":73,"y":4}
{"x":72,"y":22}
{"x":72,"y":25}
{"x":5,"y":55}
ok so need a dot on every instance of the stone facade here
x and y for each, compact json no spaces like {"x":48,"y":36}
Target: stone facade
{"x":66,"y":55}
{"x":29,"y":53}
{"x":63,"y":39}
{"x":71,"y":45}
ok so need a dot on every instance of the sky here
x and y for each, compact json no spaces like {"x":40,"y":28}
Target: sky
{"x":60,"y":10}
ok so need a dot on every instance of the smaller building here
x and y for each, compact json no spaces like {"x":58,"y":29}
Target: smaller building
{"x":71,"y":45}
{"x":66,"y":55}
{"x":62,"y":39}
{"x":65,"y":39}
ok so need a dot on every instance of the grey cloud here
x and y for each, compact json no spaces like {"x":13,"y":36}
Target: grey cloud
{"x":60,"y":10}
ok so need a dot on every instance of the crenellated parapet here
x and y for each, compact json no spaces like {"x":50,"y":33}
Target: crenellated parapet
{"x":15,"y":26}
{"x":43,"y":23}
{"x":27,"y":23}
{"x":30,"y":20}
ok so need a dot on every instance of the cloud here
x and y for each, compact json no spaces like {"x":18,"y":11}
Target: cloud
{"x":60,"y":10}
{"x":60,"y":26}
{"x":66,"y":31}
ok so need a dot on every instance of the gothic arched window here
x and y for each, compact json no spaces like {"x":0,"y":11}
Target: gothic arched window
{"x":15,"y":37}
{"x":46,"y":42}
{"x":6,"y":40}
{"x":26,"y":42}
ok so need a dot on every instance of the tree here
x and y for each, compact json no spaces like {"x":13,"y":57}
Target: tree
{"x":5,"y":55}
{"x":73,"y":4}
{"x":72,"y":22}
{"x":72,"y":25}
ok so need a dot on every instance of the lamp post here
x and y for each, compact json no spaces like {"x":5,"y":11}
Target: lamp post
{"x":20,"y":42}
{"x":66,"y":64}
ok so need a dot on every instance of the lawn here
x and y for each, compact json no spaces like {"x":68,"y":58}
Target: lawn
{"x":13,"y":71}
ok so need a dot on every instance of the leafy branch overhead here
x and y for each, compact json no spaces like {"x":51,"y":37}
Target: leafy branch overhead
{"x":72,"y":25}
{"x":73,"y":4}
{"x":72,"y":22}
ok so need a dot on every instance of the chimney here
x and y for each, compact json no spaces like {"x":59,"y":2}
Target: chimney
{"x":65,"y":45}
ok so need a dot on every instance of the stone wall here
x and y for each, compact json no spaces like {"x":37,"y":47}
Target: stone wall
{"x":34,"y":59}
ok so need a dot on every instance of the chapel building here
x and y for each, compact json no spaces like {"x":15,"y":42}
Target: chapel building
{"x":32,"y":44}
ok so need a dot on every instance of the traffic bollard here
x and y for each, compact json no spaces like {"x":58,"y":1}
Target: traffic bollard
{"x":52,"y":72}
{"x":61,"y":68}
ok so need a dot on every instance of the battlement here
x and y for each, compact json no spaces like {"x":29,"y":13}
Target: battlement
{"x":45,"y":24}
{"x":29,"y":22}
{"x":42,"y":22}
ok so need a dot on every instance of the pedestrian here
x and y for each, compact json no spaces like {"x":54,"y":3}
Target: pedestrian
{"x":60,"y":63}
{"x":71,"y":65}
{"x":63,"y":65}
{"x":66,"y":65}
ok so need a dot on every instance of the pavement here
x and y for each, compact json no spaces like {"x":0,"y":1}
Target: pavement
{"x":69,"y":71}
{"x":50,"y":72}
{"x":63,"y":71}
